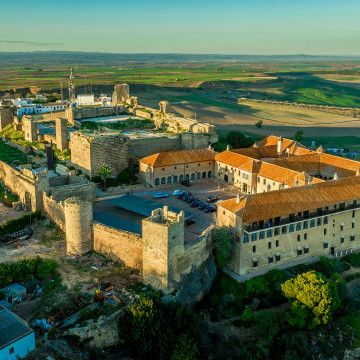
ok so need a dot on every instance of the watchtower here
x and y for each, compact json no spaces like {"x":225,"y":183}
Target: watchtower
{"x":78,"y":225}
{"x":164,"y":107}
{"x":6,"y":116}
{"x":163,"y":243}
{"x":30,"y":128}
{"x":62,"y":133}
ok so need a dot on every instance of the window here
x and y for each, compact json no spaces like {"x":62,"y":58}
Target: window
{"x":299,"y":252}
{"x":325,"y":220}
{"x":269,"y":245}
{"x":261,"y":235}
{"x":298,"y":226}
{"x":11,"y":350}
{"x":198,"y":164}
{"x":277,"y":257}
{"x":342,"y":206}
{"x":157,"y":181}
{"x":306,"y":250}
{"x":258,"y":179}
{"x":352,"y":238}
{"x":254,"y":249}
{"x":276,"y":231}
{"x":192,"y":176}
{"x":175,"y":179}
{"x":326,"y":245}
{"x":305,"y":225}
{"x":203,"y":175}
{"x":353,"y":213}
{"x":324,"y":231}
{"x":284,"y":229}
{"x":291,"y":228}
{"x":298,"y":238}
{"x":264,"y":181}
{"x":268,"y":233}
{"x":291,"y":217}
{"x":181,"y":177}
{"x":341,"y":227}
{"x":318,"y":223}
{"x":255,"y":263}
{"x":245,"y":238}
{"x":319,"y":211}
{"x":187,"y":166}
{"x":163,"y":180}
{"x":305,"y":236}
{"x":175,"y":167}
{"x":342,"y":240}
{"x":306,"y":214}
{"x":270,"y":259}
{"x":187,"y":177}
{"x":253,"y":236}
{"x":277,"y":243}
{"x":312,"y":223}
{"x":169,"y":180}
{"x":209,"y":174}
{"x":352,"y":225}
{"x":198,"y":175}
{"x":163,"y":169}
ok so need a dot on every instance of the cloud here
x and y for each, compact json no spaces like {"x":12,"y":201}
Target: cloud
{"x":31,"y":43}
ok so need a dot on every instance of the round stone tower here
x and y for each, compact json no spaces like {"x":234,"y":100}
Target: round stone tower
{"x":78,"y":225}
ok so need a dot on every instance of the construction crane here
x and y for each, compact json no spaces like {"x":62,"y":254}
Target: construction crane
{"x":72,"y":86}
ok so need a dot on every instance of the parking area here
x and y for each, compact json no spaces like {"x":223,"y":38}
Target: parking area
{"x":200,"y":190}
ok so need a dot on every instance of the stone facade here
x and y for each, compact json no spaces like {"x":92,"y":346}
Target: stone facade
{"x":62,"y":134}
{"x":30,"y":128}
{"x":164,"y":107}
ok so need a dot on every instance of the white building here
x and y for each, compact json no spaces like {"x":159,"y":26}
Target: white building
{"x":17,"y":339}
{"x":86,"y":100}
{"x":40,"y":108}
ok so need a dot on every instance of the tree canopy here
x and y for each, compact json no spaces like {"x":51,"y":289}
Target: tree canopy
{"x":222,"y":242}
{"x":313,"y":299}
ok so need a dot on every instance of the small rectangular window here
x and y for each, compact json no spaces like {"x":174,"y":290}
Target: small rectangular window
{"x":255,"y":263}
{"x":298,"y":226}
{"x":341,"y":227}
{"x":305,"y":236}
{"x":277,"y":243}
{"x":253,"y":236}
{"x":352,"y":238}
{"x":284,"y":230}
{"x":277,"y":257}
{"x":11,"y":350}
{"x":254,"y":249}
{"x":269,"y":233}
{"x":312,"y":223}
{"x":324,"y":231}
{"x":306,"y":250}
{"x":325,"y":220}
{"x":326,"y":245}
{"x":342,"y":240}
{"x":270,"y":259}
{"x":245,"y":238}
{"x":318,"y":223}
{"x":269,"y":245}
{"x":352,"y":225}
{"x":298,"y":238}
{"x":305,"y":225}
{"x":353,"y":213}
{"x":299,"y":252}
{"x":261,"y":235}
{"x":291,"y":228}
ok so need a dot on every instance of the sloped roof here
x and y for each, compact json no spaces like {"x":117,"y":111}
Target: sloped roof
{"x":232,"y":159}
{"x":272,"y":204}
{"x":258,"y":152}
{"x":167,"y":158}
{"x":12,"y":328}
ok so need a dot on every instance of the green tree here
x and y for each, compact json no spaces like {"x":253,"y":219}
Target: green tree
{"x":313,"y":299}
{"x":259,"y":124}
{"x":186,"y":349}
{"x":298,"y":135}
{"x":256,"y":288}
{"x":104,"y":172}
{"x":222,"y":240}
{"x":266,"y":324}
{"x":238,"y":140}
{"x":254,"y":351}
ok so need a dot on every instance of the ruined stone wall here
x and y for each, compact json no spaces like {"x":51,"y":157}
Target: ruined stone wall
{"x":62,"y":133}
{"x":144,"y":114}
{"x":30,"y":128}
{"x":55,"y":210}
{"x":73,"y":114}
{"x":24,"y":149}
{"x":84,"y":191}
{"x":119,"y":245}
{"x":6,"y":116}
{"x":197,"y":141}
{"x":80,"y":151}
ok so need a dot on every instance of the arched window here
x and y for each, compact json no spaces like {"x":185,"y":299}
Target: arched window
{"x":163,"y":180}
{"x":192,"y":176}
{"x":175,"y":179}
{"x":181,"y":177}
{"x":209,"y":174}
{"x":187,"y":177}
{"x":169,"y":180}
{"x":157,"y":181}
{"x":198,"y":175}
{"x":204,"y":175}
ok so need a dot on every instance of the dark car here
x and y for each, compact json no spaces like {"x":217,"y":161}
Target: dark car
{"x":195,"y":203}
{"x":192,"y":199}
{"x":212,"y":198}
{"x":187,"y":193}
{"x":203,"y":205}
{"x":185,"y":182}
{"x":189,"y":222}
{"x":210,"y":209}
{"x":185,"y":197}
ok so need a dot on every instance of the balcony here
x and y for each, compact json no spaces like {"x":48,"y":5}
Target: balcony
{"x":293,"y":219}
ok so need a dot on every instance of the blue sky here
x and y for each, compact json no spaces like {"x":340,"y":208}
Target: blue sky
{"x":324,"y":27}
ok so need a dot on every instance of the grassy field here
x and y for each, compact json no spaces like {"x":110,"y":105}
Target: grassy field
{"x":9,"y":154}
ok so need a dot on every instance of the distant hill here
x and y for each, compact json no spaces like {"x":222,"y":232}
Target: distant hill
{"x":46,"y":58}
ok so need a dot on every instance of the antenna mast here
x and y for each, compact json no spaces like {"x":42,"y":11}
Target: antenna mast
{"x":61,"y":91}
{"x":72,"y":86}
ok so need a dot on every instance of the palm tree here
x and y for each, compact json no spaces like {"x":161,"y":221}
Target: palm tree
{"x":104,"y":171}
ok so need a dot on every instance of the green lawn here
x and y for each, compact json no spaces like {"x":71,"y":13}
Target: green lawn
{"x":9,"y":154}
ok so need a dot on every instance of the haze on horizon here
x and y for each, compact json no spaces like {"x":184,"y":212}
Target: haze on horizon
{"x":260,"y":27}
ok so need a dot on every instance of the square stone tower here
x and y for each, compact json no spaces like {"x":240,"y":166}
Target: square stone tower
{"x":62,"y":134}
{"x":6,"y":116}
{"x":163,"y":244}
{"x":121,"y":94}
{"x":30,"y":128}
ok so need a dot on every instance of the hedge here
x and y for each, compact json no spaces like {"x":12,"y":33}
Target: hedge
{"x":20,"y":223}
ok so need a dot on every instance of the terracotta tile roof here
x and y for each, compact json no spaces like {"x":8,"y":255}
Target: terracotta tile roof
{"x":232,"y":159}
{"x":272,"y":204}
{"x":292,"y":145}
{"x":258,"y":152}
{"x":167,"y":158}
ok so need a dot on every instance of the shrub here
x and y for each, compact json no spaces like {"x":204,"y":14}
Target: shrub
{"x":328,"y":266}
{"x":222,"y":241}
{"x":186,"y":349}
{"x":352,"y":259}
{"x":254,"y":351}
{"x":247,"y":316}
{"x":266,"y":324}
{"x":256,"y":288}
{"x":20,"y":223}
{"x":259,"y":124}
{"x":126,"y":176}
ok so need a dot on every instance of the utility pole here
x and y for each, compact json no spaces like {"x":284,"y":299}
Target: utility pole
{"x":61,"y":91}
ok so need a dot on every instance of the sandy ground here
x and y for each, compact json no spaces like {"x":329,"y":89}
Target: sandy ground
{"x":7,"y":213}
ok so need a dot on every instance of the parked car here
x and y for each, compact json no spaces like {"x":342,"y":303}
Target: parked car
{"x":185,"y":197}
{"x":203,"y":205}
{"x":177,"y":192}
{"x":160,"y":195}
{"x":212,"y":198}
{"x":195,"y":203}
{"x":185,"y":182}
{"x":192,"y":199}
{"x":189,"y":222}
{"x":210,"y":209}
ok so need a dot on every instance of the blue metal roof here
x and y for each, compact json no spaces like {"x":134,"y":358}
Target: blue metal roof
{"x":117,"y":222}
{"x":142,"y":206}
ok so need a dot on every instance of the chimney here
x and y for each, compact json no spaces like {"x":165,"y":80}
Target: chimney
{"x":228,"y":147}
{"x":336,"y":176}
{"x":358,"y":172}
{"x":280,"y":146}
{"x":238,"y":198}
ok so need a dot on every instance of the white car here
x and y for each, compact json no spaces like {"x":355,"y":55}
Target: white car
{"x":177,"y":192}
